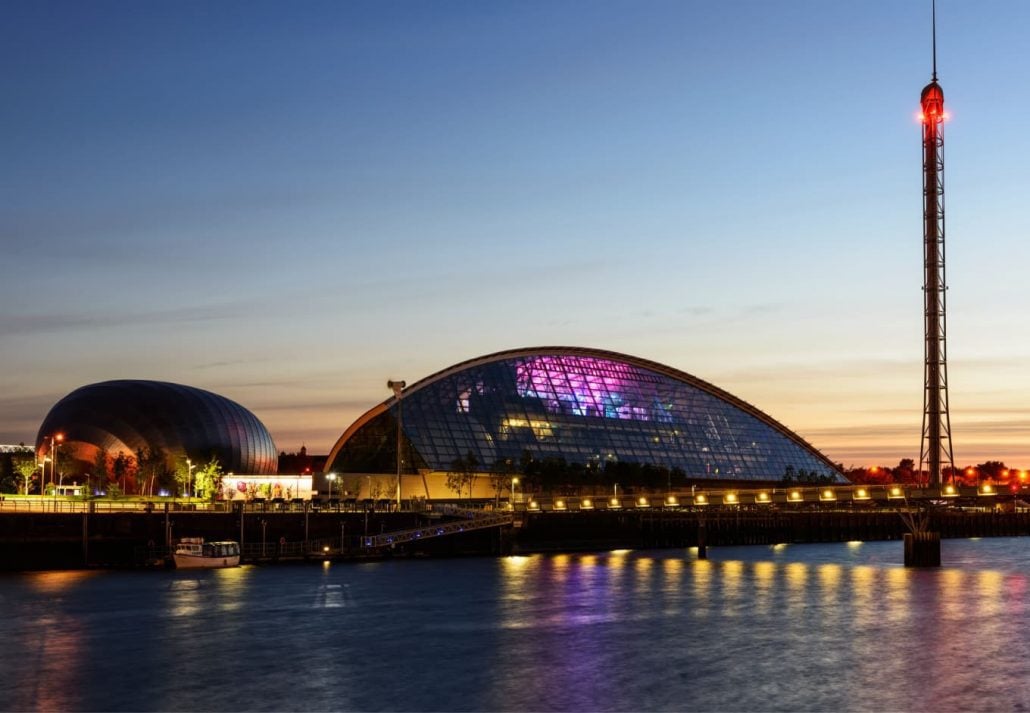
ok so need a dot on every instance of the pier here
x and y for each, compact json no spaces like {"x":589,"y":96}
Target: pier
{"x":69,"y":534}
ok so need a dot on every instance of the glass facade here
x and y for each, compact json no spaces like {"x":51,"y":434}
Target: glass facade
{"x":585,"y":407}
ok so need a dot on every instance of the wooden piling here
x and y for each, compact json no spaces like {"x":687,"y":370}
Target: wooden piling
{"x":922,"y":549}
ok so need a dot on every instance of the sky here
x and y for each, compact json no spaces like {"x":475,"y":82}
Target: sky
{"x":290,"y":203}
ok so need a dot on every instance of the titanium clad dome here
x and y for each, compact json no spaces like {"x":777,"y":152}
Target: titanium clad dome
{"x":582,"y":406}
{"x":127,"y":415}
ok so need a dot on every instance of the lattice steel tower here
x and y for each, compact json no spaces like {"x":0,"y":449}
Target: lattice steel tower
{"x":935,"y":452}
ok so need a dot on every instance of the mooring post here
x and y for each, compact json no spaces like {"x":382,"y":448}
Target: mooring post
{"x":922,"y":548}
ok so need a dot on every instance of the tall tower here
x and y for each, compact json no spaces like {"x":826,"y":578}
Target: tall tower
{"x":935,"y":452}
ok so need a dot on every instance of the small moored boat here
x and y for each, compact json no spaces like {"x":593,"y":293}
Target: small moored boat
{"x":194,"y":553}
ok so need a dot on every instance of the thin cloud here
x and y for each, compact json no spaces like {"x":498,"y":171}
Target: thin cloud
{"x":21,"y":325}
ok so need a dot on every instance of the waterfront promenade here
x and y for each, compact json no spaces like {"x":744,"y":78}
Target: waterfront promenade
{"x":63,"y":534}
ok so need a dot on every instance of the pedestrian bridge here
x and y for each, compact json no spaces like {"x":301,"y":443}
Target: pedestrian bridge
{"x":471,"y":520}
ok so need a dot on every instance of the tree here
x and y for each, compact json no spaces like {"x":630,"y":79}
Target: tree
{"x":991,"y":470}
{"x":501,"y":478}
{"x":906,"y":471}
{"x":183,"y":477}
{"x":463,"y":474}
{"x":152,"y":469}
{"x":102,"y":468}
{"x":209,"y":479}
{"x":26,"y":471}
{"x":123,"y":472}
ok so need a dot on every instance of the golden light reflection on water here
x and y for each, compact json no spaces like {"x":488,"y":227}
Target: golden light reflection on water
{"x":765,"y":580}
{"x":894,"y":601}
{"x":797,"y":576}
{"x":673,"y":568}
{"x":952,"y":608}
{"x":703,"y":572}
{"x":185,"y":597}
{"x":990,"y":586}
{"x":865,"y":605}
{"x":60,"y":647}
{"x":51,"y":583}
{"x":231,"y":584}
{"x":732,"y":580}
{"x":829,"y":582}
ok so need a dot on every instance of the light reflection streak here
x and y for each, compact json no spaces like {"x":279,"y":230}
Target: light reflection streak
{"x":703,"y":572}
{"x":990,"y":585}
{"x":732,"y":581}
{"x":864,"y":605}
{"x":60,"y":648}
{"x":895,"y":601}
{"x":765,"y":580}
{"x":829,"y":580}
{"x":952,"y":608}
{"x":51,"y":583}
{"x":186,"y":599}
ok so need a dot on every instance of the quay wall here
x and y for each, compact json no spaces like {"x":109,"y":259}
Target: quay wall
{"x":35,"y":541}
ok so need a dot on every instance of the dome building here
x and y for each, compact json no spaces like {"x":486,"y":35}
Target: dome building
{"x":576,"y":406}
{"x":176,"y":420}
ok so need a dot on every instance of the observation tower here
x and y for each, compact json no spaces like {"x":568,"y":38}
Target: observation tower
{"x":935,"y":453}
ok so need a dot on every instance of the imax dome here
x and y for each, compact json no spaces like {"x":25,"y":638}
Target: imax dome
{"x":582,"y":406}
{"x":177,"y":420}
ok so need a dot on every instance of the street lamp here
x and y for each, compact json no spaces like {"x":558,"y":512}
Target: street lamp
{"x":331,"y":477}
{"x":42,"y":475}
{"x":55,"y":440}
{"x":398,"y":387}
{"x":514,"y":482}
{"x":189,"y":477}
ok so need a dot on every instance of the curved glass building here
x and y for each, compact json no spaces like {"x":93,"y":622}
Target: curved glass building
{"x":177,"y":420}
{"x":583,"y":406}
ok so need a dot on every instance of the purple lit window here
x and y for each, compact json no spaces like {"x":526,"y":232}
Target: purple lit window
{"x":583,"y":386}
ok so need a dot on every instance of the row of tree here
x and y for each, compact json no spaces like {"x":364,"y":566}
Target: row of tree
{"x":992,"y":471}
{"x":556,"y":475}
{"x":146,"y":472}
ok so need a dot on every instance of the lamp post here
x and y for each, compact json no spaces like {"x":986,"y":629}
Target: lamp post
{"x":55,"y":440}
{"x":331,"y":477}
{"x":514,"y":482}
{"x":398,"y":387}
{"x":189,"y":477}
{"x":42,"y":475}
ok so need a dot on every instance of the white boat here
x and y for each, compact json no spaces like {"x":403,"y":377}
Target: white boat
{"x":194,"y":553}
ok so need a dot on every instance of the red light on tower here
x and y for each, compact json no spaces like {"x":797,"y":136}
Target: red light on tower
{"x":932,"y":103}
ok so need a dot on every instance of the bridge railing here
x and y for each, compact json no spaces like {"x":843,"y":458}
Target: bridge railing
{"x":473,"y":520}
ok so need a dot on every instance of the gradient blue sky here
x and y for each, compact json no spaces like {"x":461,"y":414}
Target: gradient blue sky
{"x":289,"y":203}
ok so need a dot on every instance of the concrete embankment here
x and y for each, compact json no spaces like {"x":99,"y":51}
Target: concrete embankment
{"x":31,"y":541}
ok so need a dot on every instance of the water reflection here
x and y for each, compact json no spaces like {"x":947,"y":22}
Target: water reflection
{"x":817,"y":627}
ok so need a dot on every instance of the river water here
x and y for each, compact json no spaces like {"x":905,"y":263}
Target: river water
{"x":799,"y":627}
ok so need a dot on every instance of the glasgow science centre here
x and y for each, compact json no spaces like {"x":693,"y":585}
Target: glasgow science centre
{"x":554,"y":418}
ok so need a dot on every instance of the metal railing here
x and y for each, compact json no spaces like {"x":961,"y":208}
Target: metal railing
{"x":473,"y":520}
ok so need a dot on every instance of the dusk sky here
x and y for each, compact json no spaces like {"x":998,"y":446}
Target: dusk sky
{"x":290,"y":203}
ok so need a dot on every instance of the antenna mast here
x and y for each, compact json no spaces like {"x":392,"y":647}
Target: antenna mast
{"x":935,"y":452}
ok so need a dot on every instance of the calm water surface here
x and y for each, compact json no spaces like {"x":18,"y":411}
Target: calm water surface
{"x":800,"y":627}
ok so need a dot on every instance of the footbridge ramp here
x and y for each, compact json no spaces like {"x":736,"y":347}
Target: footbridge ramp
{"x":470,"y":520}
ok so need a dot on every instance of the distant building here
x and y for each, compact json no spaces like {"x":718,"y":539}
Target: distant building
{"x":301,"y":462}
{"x":575,"y":406}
